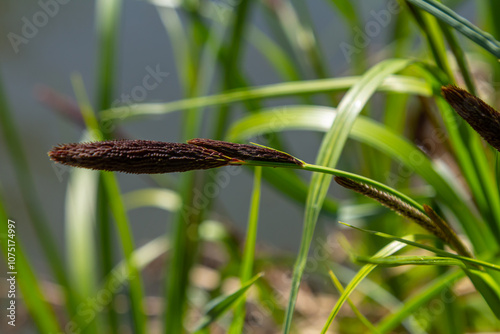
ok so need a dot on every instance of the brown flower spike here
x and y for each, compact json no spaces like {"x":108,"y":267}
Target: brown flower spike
{"x":402,"y":208}
{"x":139,"y":156}
{"x":482,"y":117}
{"x":246,"y":152}
{"x":432,"y":223}
{"x":155,"y":157}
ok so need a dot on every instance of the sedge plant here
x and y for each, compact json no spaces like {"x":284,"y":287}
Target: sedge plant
{"x":454,"y":240}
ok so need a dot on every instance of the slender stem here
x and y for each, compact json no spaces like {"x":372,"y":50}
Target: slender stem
{"x":359,"y":178}
{"x":249,"y":252}
{"x":337,"y":172}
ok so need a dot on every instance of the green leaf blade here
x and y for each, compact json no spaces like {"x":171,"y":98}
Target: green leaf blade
{"x":222,"y":304}
{"x":331,"y":147}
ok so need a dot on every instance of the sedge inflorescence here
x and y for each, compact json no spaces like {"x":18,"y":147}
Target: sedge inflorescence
{"x":483,"y":118}
{"x":430,"y":221}
{"x":155,"y":157}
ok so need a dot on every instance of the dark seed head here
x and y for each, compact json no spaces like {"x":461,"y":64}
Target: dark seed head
{"x":138,"y":156}
{"x":449,"y":234}
{"x":246,"y":152}
{"x":392,"y":202}
{"x":482,"y":117}
{"x":431,"y":222}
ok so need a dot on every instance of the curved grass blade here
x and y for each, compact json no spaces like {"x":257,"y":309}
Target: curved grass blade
{"x":392,"y":83}
{"x":374,"y":291}
{"x":480,"y":279}
{"x":465,"y":27}
{"x":488,"y":287}
{"x":411,"y":305}
{"x":222,"y":304}
{"x":360,"y":316}
{"x":483,"y":281}
{"x":331,"y":147}
{"x":438,"y":251}
{"x":396,"y":261}
{"x":390,"y":249}
{"x":155,"y":197}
